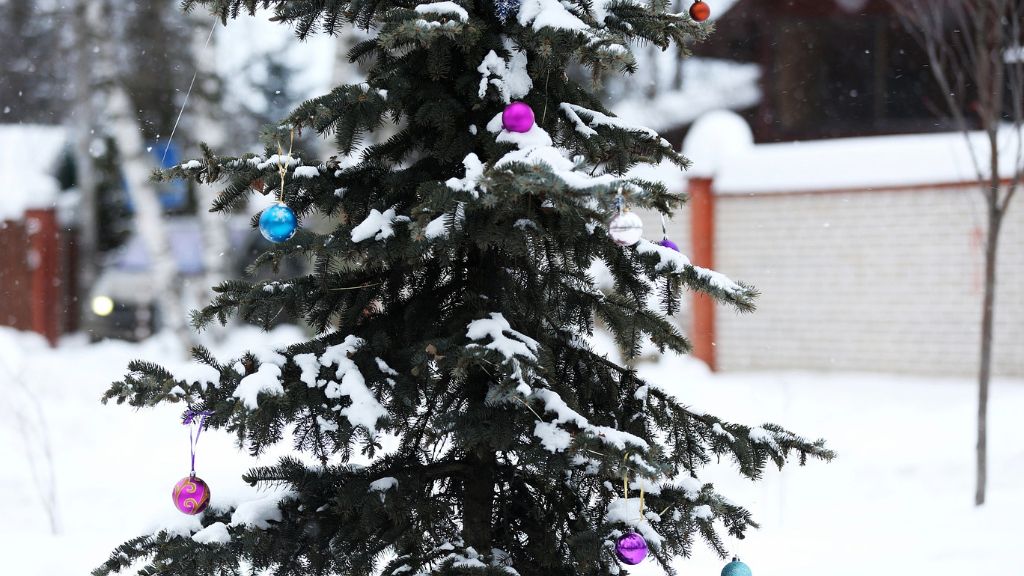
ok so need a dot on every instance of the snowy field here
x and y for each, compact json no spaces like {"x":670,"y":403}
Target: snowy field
{"x":897,"y":501}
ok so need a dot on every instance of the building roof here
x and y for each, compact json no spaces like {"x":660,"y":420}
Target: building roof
{"x":29,"y":155}
{"x":723,"y":151}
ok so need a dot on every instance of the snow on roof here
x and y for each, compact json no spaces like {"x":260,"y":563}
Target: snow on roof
{"x":715,"y":145}
{"x":708,"y":84}
{"x":28,"y":162}
{"x":713,"y":140}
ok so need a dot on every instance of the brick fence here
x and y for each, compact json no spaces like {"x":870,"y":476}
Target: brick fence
{"x":885,"y":280}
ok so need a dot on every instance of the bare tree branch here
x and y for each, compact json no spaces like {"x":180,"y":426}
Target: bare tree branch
{"x":974,"y":49}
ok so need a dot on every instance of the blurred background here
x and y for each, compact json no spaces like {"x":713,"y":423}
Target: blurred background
{"x":853,"y":159}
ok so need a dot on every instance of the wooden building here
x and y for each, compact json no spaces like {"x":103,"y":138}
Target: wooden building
{"x":830,"y":69}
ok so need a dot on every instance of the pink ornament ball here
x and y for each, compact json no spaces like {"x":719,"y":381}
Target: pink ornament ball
{"x":191,"y":495}
{"x":517,"y":117}
{"x":631,"y":549}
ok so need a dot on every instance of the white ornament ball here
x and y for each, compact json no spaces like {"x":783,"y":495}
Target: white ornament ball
{"x":626,"y":229}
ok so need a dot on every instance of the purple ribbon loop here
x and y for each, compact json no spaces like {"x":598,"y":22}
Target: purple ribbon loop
{"x":195,"y":417}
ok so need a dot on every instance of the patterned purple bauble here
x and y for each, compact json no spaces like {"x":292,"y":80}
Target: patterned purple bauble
{"x":631,"y":549}
{"x":669,"y":244}
{"x":191,"y":495}
{"x":517,"y":117}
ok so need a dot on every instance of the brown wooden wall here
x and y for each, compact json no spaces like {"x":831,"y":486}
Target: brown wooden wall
{"x":37,"y":274}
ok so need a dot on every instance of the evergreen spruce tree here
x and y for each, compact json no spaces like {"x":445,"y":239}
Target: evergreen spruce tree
{"x":452,"y":300}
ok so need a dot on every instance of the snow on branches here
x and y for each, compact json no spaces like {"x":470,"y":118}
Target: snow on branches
{"x":598,"y":119}
{"x":509,"y":77}
{"x":554,"y":441}
{"x":266,"y":380}
{"x":471,"y":181}
{"x":377,"y":225}
{"x":364,"y":409}
{"x":446,"y":8}
{"x":542,"y":14}
{"x":631,"y":512}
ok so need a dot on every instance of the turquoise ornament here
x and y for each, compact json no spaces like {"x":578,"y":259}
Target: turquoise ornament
{"x":278,"y":223}
{"x":736,"y":568}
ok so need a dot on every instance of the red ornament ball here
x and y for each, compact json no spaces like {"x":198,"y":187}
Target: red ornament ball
{"x":191,"y":495}
{"x":700,"y":11}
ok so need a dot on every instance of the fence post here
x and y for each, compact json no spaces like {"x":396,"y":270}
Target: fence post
{"x":702,"y":238}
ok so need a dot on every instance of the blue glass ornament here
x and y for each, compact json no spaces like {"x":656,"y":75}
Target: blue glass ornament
{"x":736,"y":568}
{"x":503,"y":9}
{"x":278,"y":223}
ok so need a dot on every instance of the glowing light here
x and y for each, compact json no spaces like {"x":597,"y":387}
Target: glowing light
{"x":102,"y":306}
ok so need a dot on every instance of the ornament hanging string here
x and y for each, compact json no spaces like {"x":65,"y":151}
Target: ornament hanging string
{"x":282,"y":164}
{"x":197,"y":417}
{"x":187,"y":94}
{"x":625,"y":486}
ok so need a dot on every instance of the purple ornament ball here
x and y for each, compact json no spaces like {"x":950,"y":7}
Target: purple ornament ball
{"x":191,"y":495}
{"x":517,"y":117}
{"x":669,"y":244}
{"x":631,"y":548}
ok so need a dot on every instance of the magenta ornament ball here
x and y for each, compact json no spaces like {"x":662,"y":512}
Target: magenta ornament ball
{"x":517,"y":117}
{"x":669,"y":244}
{"x":631,"y":549}
{"x":191,"y":495}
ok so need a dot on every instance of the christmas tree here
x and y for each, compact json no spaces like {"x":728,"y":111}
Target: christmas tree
{"x":453,"y":299}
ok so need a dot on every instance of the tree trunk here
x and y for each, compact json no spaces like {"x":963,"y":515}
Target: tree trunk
{"x":478,"y":502}
{"x":208,"y":127}
{"x":677,"y":72}
{"x":478,"y":483}
{"x":149,"y":217}
{"x":85,"y":174}
{"x":985,"y":369}
{"x":990,"y":81}
{"x":651,"y":90}
{"x":136,"y":165}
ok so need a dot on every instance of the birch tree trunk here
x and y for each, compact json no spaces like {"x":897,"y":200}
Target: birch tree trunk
{"x":83,"y":129}
{"x":208,"y":128}
{"x":677,"y":72}
{"x":137,"y":165}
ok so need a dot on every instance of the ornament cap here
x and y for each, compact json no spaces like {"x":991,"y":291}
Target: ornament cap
{"x":736,"y":568}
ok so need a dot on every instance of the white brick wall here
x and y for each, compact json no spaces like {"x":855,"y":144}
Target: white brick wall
{"x":885,"y":281}
{"x":880,"y":281}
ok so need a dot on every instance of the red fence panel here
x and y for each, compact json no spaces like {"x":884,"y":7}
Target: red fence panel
{"x":35,"y":275}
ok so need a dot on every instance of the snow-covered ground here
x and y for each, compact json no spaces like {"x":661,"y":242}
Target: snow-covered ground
{"x":898,"y":500}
